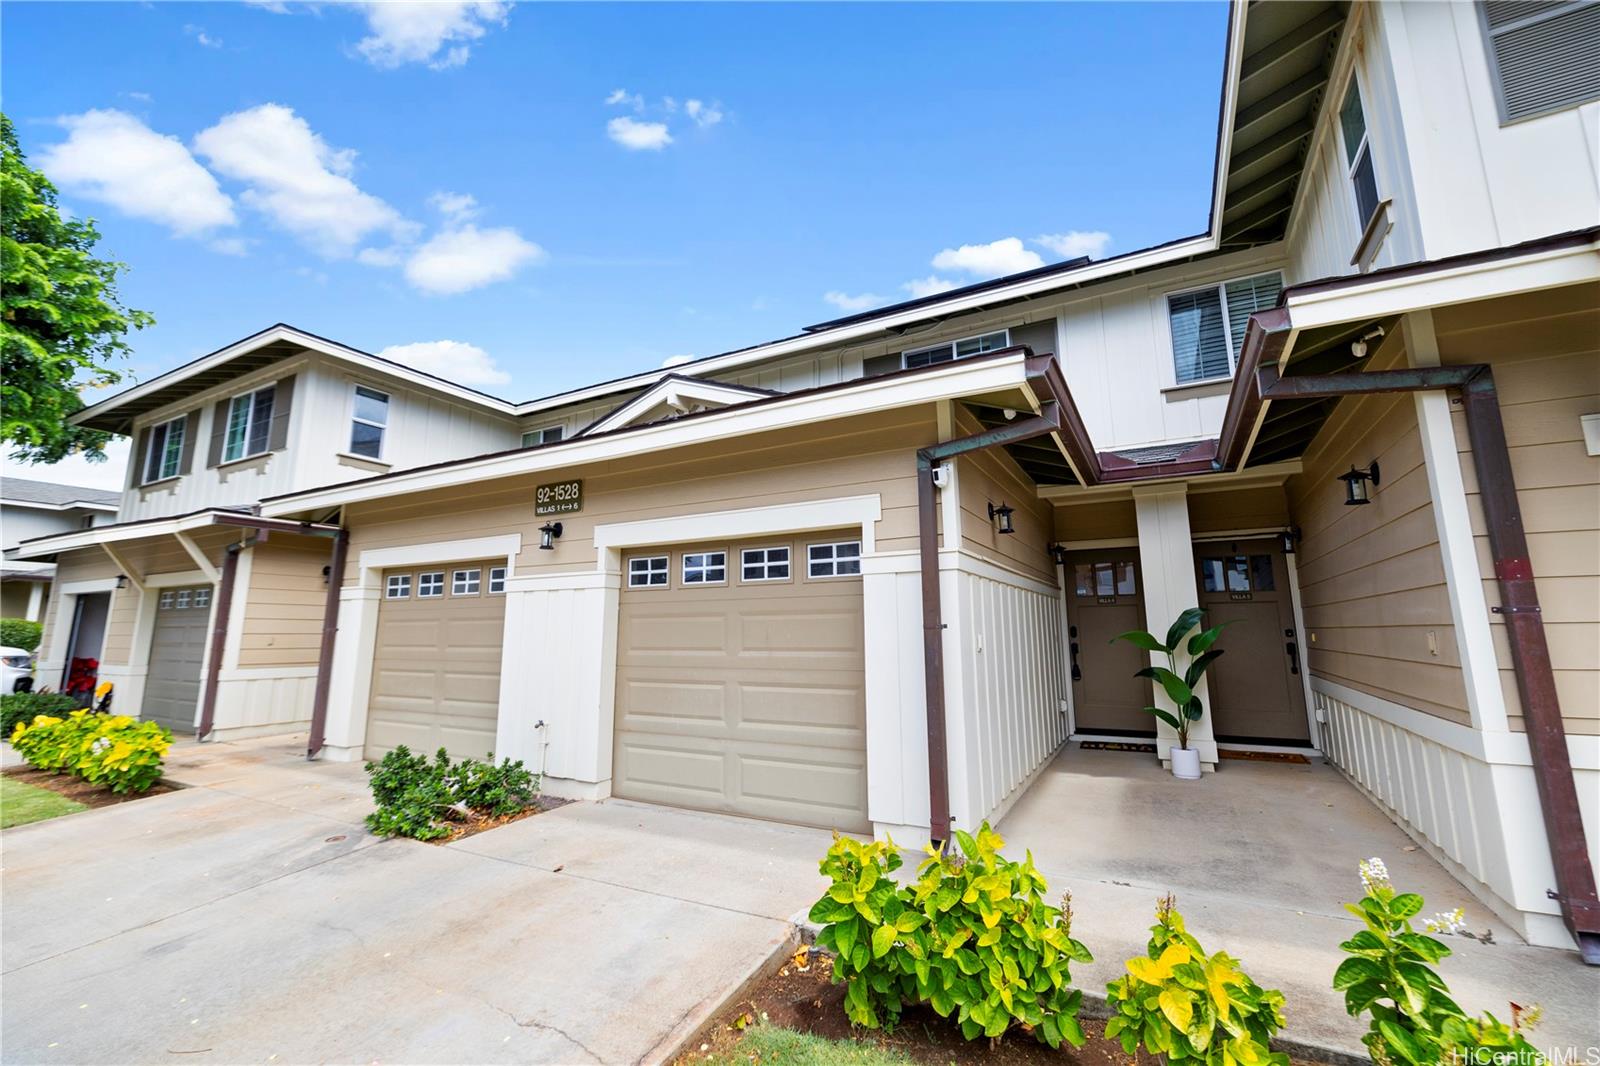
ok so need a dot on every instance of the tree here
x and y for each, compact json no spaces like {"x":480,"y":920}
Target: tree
{"x":61,"y":322}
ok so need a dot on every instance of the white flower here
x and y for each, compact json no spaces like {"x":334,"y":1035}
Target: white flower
{"x":1374,"y":874}
{"x":1447,"y":922}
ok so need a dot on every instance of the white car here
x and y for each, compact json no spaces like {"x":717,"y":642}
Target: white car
{"x":16,"y":670}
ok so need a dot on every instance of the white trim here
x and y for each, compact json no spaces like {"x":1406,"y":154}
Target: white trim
{"x":665,"y":570}
{"x":705,"y":567}
{"x":75,"y":505}
{"x":1197,"y":484}
{"x":136,"y":530}
{"x":834,"y":559}
{"x":673,"y":390}
{"x":960,"y":378}
{"x":383,"y":427}
{"x":433,"y":553}
{"x":838,"y":513}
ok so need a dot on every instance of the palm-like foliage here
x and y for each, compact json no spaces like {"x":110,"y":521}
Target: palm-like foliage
{"x":1179,"y":687}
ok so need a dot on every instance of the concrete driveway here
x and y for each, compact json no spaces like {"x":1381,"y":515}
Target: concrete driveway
{"x":251,"y":918}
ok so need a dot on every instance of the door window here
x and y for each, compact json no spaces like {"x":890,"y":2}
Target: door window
{"x":1237,"y":574}
{"x":1105,"y":580}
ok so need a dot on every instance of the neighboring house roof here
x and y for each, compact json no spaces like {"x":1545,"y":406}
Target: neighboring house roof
{"x":23,"y":492}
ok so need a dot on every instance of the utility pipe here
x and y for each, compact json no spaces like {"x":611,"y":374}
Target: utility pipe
{"x":219,"y":637}
{"x":330,"y":630}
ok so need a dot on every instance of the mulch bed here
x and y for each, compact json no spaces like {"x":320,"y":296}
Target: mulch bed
{"x":807,"y":1001}
{"x":76,"y":788}
{"x":482,"y":825}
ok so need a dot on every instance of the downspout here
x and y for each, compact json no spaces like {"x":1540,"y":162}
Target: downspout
{"x":1519,"y":605}
{"x":1047,"y":421}
{"x":219,"y":637}
{"x":330,"y":630}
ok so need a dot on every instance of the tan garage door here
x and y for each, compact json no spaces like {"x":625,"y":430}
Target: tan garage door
{"x":436,"y":666}
{"x":742,"y":694}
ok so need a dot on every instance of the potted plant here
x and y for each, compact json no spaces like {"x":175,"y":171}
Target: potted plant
{"x":1180,"y":689}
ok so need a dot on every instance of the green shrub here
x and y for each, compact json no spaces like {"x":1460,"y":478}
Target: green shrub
{"x":1390,"y":976}
{"x":105,"y":749}
{"x":20,"y":633}
{"x":26,"y":706}
{"x":418,"y":799}
{"x":1178,"y":1002}
{"x":972,"y":937}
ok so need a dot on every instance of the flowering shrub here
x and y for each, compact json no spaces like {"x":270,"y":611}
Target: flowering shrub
{"x":1390,"y":976}
{"x":1183,"y":1004}
{"x":114,"y":750}
{"x":972,"y":938}
{"x":419,"y":800}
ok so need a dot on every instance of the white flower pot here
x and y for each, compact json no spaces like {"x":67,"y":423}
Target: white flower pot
{"x":1185,"y":764}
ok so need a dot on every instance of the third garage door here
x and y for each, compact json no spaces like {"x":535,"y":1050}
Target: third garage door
{"x":436,"y":664}
{"x":740,"y":682}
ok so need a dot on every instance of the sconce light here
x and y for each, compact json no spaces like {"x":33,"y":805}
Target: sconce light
{"x":549,"y":533}
{"x":326,"y":572}
{"x":1003,"y":515}
{"x":1358,"y":348}
{"x":122,"y":581}
{"x":1355,"y":485}
{"x":1289,"y":537}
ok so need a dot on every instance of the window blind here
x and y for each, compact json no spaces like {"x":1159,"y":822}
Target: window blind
{"x":1247,"y":296}
{"x":1545,"y":54}
{"x":1199,"y":339}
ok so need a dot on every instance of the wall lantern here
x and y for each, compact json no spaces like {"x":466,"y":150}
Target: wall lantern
{"x":1289,"y":537}
{"x":1355,"y":485}
{"x":327,"y":572}
{"x":549,"y":533}
{"x":122,"y":581}
{"x":1003,"y":515}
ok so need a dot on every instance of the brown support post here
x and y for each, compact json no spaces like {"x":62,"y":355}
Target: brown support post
{"x":219,"y":638}
{"x":330,"y":629}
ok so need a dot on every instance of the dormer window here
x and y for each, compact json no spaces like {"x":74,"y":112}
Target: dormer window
{"x":249,"y":424}
{"x":164,"y":455}
{"x":953,"y":350}
{"x":369,"y":418}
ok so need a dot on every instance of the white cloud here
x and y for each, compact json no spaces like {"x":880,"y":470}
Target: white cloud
{"x":455,"y":206}
{"x":112,"y":157}
{"x":230,"y":246}
{"x":845,"y":302}
{"x":143,"y":98}
{"x":277,"y":7}
{"x":297,"y":180}
{"x":112,"y":474}
{"x":463,"y":258}
{"x":932,"y":285}
{"x":453,"y":360}
{"x":638,"y":136}
{"x":623,"y":98}
{"x":676,"y":360}
{"x":436,"y":33}
{"x":1073,"y":243}
{"x":704,"y":114}
{"x":202,"y":38}
{"x":992,"y":260}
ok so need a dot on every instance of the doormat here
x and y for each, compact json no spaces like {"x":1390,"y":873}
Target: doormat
{"x":1115,"y":745}
{"x":1265,"y":756}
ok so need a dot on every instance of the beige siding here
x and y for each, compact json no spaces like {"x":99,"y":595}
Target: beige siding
{"x":284,"y":603}
{"x":1100,"y":520}
{"x":1221,"y":512}
{"x":92,"y":565}
{"x":1545,"y":351}
{"x":993,"y":477}
{"x":1372,"y":578}
{"x":860,"y":456}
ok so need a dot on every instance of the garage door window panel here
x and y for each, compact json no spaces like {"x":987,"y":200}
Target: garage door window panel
{"x":649,"y":572}
{"x":834,"y":559}
{"x":430,"y":585}
{"x":705,"y":568}
{"x":397,"y":587}
{"x":466,"y":582}
{"x":497,"y":580}
{"x":764,"y":564}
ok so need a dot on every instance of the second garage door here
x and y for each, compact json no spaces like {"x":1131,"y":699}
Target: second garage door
{"x":436,"y":665}
{"x":177,"y":648}
{"x":740,"y":681}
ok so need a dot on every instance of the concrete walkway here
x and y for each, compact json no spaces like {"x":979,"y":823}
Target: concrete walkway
{"x":1262,"y":857}
{"x":251,"y":918}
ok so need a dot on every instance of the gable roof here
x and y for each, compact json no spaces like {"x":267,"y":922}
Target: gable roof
{"x":55,"y":496}
{"x":671,"y":389}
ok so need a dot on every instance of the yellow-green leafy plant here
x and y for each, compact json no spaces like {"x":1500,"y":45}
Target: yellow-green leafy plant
{"x":1178,"y":1002}
{"x":1390,"y":976}
{"x":115,"y":750}
{"x":973,"y":938}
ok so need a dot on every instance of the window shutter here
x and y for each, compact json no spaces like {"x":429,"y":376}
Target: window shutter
{"x":1247,"y":296}
{"x":219,"y":430}
{"x":282,"y":405}
{"x":1546,"y":54}
{"x":1199,"y":343}
{"x":879,"y":365}
{"x":191,"y":430}
{"x":141,"y":455}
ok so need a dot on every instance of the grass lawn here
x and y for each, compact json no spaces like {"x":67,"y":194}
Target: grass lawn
{"x":769,"y":1044}
{"x":21,"y":803}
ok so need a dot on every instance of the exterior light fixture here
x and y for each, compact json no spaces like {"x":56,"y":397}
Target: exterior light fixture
{"x":1003,"y":515}
{"x":1356,"y":492}
{"x":122,"y":581}
{"x":1289,"y":537}
{"x":1358,"y":348}
{"x":549,"y":533}
{"x":327,"y":572}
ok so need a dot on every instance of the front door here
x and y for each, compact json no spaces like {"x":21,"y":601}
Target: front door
{"x":1255,"y":687}
{"x":1104,"y":598}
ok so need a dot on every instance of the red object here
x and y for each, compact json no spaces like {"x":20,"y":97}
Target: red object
{"x":81,"y":677}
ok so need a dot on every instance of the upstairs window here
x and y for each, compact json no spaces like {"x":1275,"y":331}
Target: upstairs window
{"x":1543,"y":57}
{"x":1358,"y":154}
{"x":547,"y":435}
{"x":165,"y":454}
{"x":1208,"y":324}
{"x":369,"y":417}
{"x":249,"y":424}
{"x":961,"y":349}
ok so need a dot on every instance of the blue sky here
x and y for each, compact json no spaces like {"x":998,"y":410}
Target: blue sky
{"x":532,"y":198}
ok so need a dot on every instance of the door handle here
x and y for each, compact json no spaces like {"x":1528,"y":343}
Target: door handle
{"x":1072,"y":648}
{"x":1293,"y":651}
